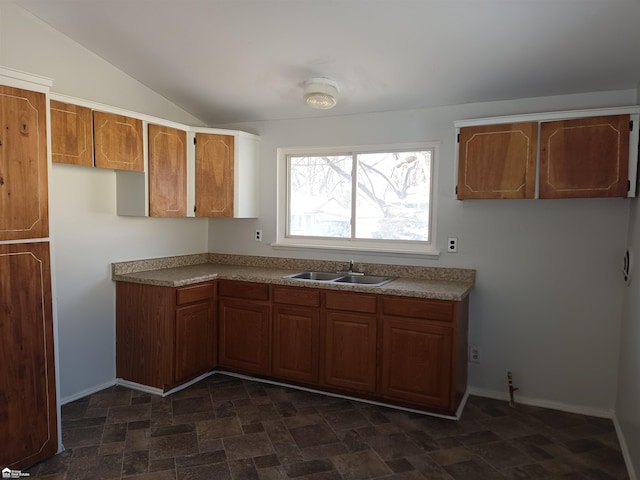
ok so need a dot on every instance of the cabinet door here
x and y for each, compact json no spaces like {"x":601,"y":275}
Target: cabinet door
{"x":497,"y":161}
{"x":71,"y":134}
{"x":243,"y":329}
{"x":295,"y":343}
{"x":417,"y":362}
{"x":214,"y":175}
{"x":167,"y":172}
{"x":195,"y":341}
{"x":145,"y":332}
{"x":24,"y":209}
{"x":584,"y":157}
{"x":28,"y":415}
{"x":117,"y":142}
{"x":349,"y":354}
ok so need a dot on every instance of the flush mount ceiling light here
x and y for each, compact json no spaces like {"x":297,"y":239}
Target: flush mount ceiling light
{"x":321,"y":93}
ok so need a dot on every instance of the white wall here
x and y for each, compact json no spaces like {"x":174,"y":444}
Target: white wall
{"x":87,"y":234}
{"x":628,"y":401}
{"x":548,"y":299}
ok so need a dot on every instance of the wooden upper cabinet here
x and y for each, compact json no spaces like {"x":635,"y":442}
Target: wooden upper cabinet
{"x":24,"y":209}
{"x":584,"y":157}
{"x":71,"y":134}
{"x":497,"y":161}
{"x":214,"y":175}
{"x":117,"y":142}
{"x":167,"y":172}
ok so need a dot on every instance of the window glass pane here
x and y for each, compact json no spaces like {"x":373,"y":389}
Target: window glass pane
{"x":393,"y":193}
{"x":320,"y":196}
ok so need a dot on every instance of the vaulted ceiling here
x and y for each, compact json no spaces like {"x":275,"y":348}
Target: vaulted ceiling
{"x":227,"y":61}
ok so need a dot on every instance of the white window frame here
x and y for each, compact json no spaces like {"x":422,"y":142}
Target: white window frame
{"x":403,"y":247}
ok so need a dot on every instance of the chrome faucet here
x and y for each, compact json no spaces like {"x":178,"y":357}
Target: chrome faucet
{"x":351,"y":271}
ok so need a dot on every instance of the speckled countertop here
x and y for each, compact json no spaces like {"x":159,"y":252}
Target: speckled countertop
{"x":411,"y":281}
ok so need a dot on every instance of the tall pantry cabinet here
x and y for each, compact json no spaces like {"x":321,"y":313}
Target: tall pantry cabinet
{"x":28,"y":398}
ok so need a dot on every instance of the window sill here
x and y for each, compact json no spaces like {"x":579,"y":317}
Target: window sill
{"x":340,"y":248}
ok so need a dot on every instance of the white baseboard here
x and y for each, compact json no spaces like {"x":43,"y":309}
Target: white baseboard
{"x":346,"y":397}
{"x":88,"y":391}
{"x":138,"y":386}
{"x":537,"y":402}
{"x":625,"y":449}
{"x":159,"y":391}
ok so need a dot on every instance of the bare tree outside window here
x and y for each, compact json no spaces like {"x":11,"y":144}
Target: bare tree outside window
{"x":371,"y":196}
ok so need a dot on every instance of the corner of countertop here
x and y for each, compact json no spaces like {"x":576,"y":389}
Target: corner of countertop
{"x":135,"y":266}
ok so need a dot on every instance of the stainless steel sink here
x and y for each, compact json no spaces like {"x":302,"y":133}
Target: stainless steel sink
{"x":368,"y":280}
{"x":371,"y":280}
{"x":317,"y":276}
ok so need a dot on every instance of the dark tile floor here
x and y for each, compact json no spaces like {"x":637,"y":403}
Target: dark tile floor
{"x":225,"y":428}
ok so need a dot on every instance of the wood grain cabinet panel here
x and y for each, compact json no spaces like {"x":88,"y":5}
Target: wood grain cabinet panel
{"x":24,"y":210}
{"x":118,"y":142}
{"x":424,"y":352}
{"x":349,"y":351}
{"x":497,"y":161}
{"x":296,"y":333}
{"x":295,"y":343}
{"x":244,"y":326}
{"x":214,"y":175}
{"x":167,"y":172}
{"x":417,"y":362}
{"x":71,"y":134}
{"x":27,"y":377}
{"x":244,"y":336}
{"x":195,"y":340}
{"x":165,"y":336}
{"x":584,"y":157}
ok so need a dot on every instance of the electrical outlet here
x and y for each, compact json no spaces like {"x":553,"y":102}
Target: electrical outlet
{"x":258,"y":236}
{"x":474,"y":354}
{"x":452,"y":244}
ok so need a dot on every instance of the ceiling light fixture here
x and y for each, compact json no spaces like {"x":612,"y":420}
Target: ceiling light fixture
{"x":321,"y":93}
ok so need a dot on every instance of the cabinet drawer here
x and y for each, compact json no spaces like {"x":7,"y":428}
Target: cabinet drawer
{"x":296,"y":296}
{"x":441,"y":310}
{"x":248,"y":290}
{"x":351,"y":302}
{"x":194,"y":293}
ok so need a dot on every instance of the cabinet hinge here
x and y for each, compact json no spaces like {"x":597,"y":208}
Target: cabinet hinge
{"x":631,"y":125}
{"x":628,"y":185}
{"x":456,"y":189}
{"x":194,"y":209}
{"x":194,"y":140}
{"x":458,"y":138}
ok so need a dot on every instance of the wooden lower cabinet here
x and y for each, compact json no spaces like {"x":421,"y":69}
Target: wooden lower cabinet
{"x":28,"y":408}
{"x":296,"y":331}
{"x":349,"y":355}
{"x":195,"y":340}
{"x":424,"y":352}
{"x":244,"y":327}
{"x":164,"y":335}
{"x":416,"y":361}
{"x":401,"y":350}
